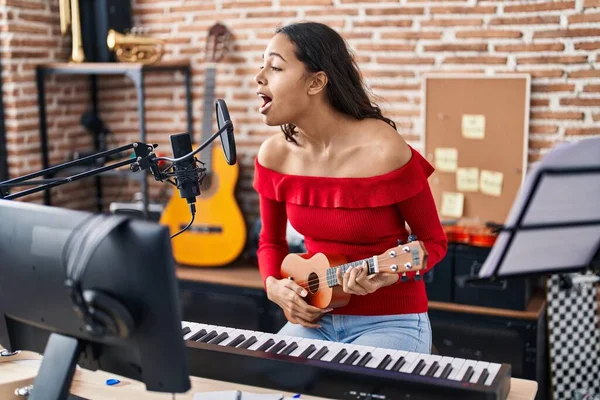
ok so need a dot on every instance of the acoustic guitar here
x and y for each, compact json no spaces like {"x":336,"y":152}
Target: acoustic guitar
{"x":218,"y":235}
{"x":318,"y":273}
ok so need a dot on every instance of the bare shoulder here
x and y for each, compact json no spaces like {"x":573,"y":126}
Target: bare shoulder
{"x":273,"y":152}
{"x":389,"y":148}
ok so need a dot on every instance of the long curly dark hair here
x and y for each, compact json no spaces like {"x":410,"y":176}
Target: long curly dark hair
{"x":321,"y":48}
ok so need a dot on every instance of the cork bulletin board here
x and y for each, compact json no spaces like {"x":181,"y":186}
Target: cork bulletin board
{"x":476,"y":136}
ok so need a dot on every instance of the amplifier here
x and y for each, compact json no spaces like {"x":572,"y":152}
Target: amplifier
{"x":97,"y":18}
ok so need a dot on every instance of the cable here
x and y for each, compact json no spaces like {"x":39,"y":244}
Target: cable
{"x":193,"y":211}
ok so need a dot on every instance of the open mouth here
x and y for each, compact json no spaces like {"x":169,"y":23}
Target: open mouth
{"x":267,"y":101}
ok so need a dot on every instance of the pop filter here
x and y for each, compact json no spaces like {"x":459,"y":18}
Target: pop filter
{"x":227,"y":140}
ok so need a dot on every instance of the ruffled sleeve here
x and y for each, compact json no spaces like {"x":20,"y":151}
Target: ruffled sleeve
{"x":345,"y":192}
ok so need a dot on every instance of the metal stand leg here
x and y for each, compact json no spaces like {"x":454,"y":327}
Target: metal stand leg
{"x":41,"y":92}
{"x":98,"y":179}
{"x":138,"y":80}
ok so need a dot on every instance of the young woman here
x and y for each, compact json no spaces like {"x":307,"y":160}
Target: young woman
{"x":348,"y":182}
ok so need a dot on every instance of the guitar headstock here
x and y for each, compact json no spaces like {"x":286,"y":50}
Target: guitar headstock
{"x":217,"y":43}
{"x":408,"y":257}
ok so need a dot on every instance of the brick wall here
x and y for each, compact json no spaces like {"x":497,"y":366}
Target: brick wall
{"x":557,"y":42}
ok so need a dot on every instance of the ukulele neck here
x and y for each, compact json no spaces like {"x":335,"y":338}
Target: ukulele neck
{"x":372,"y":268}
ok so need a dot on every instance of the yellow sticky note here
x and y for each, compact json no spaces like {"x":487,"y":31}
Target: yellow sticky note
{"x":490,"y":182}
{"x":467,"y":179}
{"x":452,"y":204}
{"x":473,"y":126}
{"x":446,"y":159}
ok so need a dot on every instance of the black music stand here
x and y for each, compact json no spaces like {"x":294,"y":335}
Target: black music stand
{"x":554,"y":224}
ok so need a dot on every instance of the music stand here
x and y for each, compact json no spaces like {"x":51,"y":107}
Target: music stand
{"x":554,"y":224}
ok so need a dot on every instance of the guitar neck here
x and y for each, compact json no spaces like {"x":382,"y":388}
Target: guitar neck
{"x":208,"y":113}
{"x":332,"y":272}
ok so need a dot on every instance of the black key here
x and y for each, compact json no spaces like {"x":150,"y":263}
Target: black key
{"x":419,"y":367}
{"x":265,"y":346}
{"x":309,"y":350}
{"x":249,"y":342}
{"x":432,"y":370}
{"x":339,"y":356}
{"x":324,"y":350}
{"x":185,"y":331}
{"x":291,"y":347}
{"x":366,"y":358}
{"x":208,"y":337}
{"x":483,"y":377}
{"x":384,"y":363}
{"x":197,"y":335}
{"x":236,"y":341}
{"x":219,"y":338}
{"x":446,"y":371}
{"x":355,"y":354}
{"x":275,"y":349}
{"x":398,"y":364}
{"x":468,"y":375}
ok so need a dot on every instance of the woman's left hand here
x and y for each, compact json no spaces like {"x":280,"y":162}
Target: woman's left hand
{"x":356,"y":280}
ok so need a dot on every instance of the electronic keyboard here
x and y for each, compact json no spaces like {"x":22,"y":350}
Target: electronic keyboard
{"x":337,"y":370}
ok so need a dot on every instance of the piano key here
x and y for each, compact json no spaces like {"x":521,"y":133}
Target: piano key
{"x":432,"y":369}
{"x":247,"y":343}
{"x":236,"y":341}
{"x":468,"y":374}
{"x":185,"y":330}
{"x":194,"y":328}
{"x":365,"y":359}
{"x":208,"y":337}
{"x":378,"y":356}
{"x":222,"y":336}
{"x":266,"y":345}
{"x":477,"y":370}
{"x":483,"y":376}
{"x":308,"y":351}
{"x":399,"y":363}
{"x":493,"y":369}
{"x":411,"y":360}
{"x":419,"y":367}
{"x":290,"y":347}
{"x":260,"y":340}
{"x":340,"y":356}
{"x":333,"y":349}
{"x":457,"y":364}
{"x":429,"y":362}
{"x":444,"y":364}
{"x":303,"y":345}
{"x":197,"y":335}
{"x":278,"y":346}
{"x":384,"y":363}
{"x":446,"y":371}
{"x":463,"y":370}
{"x":322,"y":352}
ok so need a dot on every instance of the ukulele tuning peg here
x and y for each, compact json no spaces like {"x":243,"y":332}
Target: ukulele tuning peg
{"x":418,"y":276}
{"x":399,"y":242}
{"x":404,"y":278}
{"x":411,"y":238}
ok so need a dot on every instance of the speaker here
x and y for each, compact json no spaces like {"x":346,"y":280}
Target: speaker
{"x":494,"y":338}
{"x":97,"y":18}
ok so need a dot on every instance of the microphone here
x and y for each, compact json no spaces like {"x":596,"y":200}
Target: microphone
{"x":186,"y":171}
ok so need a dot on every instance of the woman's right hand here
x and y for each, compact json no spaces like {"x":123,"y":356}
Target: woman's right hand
{"x":288,"y":295}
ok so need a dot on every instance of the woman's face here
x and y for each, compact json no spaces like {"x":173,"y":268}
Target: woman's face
{"x":281,"y":83}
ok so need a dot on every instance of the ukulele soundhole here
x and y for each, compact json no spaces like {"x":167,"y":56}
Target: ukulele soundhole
{"x":313,"y":283}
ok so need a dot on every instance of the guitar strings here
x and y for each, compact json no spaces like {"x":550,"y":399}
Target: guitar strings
{"x":313,"y":280}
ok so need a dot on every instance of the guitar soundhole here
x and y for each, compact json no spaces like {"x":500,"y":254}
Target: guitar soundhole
{"x":313,"y":283}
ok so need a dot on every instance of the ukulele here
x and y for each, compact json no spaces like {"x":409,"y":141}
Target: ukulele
{"x":218,"y":235}
{"x":318,"y":273}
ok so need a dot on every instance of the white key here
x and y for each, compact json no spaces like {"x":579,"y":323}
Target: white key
{"x":378,"y":356}
{"x":363,"y":350}
{"x":260,"y":340}
{"x":443,"y":362}
{"x":410,"y":368}
{"x":493,"y":369}
{"x":430,"y":361}
{"x":457,"y":364}
{"x":303,"y":344}
{"x":410,"y":361}
{"x":479,"y":367}
{"x":233,"y":335}
{"x":194,"y":328}
{"x":464,"y":368}
{"x":334,"y":349}
{"x":351,"y":348}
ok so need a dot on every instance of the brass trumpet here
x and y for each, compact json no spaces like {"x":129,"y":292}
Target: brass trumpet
{"x":135,"y":48}
{"x":69,"y":17}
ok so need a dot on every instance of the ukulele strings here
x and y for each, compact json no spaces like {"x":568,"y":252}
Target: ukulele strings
{"x":313,"y":280}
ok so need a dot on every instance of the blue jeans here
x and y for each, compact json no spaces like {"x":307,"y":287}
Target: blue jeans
{"x":409,"y":332}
